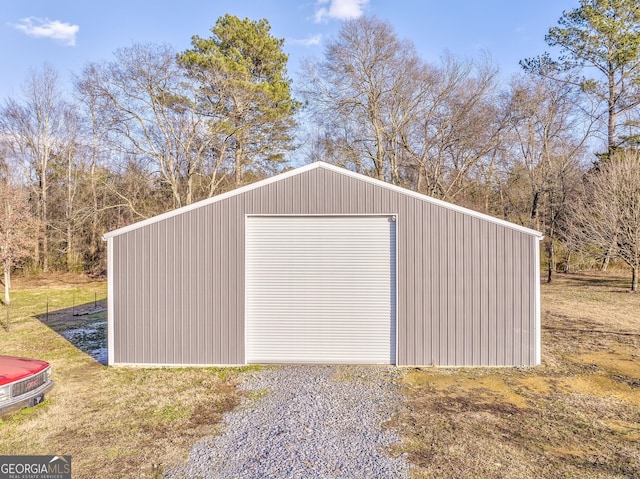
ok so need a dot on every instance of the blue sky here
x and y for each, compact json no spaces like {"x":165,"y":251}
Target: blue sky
{"x":67,"y":34}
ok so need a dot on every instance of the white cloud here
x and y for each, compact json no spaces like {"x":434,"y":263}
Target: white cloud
{"x":45,"y":28}
{"x":310,"y":41}
{"x":339,"y":9}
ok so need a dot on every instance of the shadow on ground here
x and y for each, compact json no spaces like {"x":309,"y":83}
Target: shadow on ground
{"x":84,"y":326}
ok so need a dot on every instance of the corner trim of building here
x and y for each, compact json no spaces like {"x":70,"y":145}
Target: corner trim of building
{"x":110,"y":303}
{"x":537,"y":313}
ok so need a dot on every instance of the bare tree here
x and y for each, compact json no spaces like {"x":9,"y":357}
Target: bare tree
{"x":383,"y":111}
{"x":70,"y":185}
{"x":362,"y":94}
{"x":610,"y":210}
{"x":457,"y":128}
{"x":147,"y":106}
{"x":17,"y":227}
{"x":547,"y":137}
{"x":37,"y":131}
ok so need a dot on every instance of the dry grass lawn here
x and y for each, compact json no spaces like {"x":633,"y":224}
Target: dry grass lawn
{"x":577,"y":415}
{"x":114,"y":422}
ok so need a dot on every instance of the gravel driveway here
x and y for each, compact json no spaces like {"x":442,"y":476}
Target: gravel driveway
{"x":305,"y":422}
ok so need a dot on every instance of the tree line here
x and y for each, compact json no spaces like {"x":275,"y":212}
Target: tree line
{"x":554,"y":149}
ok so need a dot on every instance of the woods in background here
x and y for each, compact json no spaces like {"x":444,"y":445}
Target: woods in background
{"x":554,"y":148}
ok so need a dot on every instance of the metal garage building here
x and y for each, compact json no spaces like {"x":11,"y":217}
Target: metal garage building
{"x":323,"y":265}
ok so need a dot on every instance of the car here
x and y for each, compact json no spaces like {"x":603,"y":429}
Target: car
{"x":23,"y":383}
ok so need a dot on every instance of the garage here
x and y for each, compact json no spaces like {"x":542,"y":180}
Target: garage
{"x":321,"y":264}
{"x":320,"y":289}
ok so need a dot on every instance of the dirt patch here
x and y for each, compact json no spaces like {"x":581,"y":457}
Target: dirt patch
{"x":576,"y":415}
{"x":485,"y":389}
{"x":618,"y":361}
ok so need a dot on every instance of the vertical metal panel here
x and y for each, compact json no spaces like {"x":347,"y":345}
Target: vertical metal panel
{"x":450,"y":290}
{"x":152,"y":299}
{"x":475,"y":265}
{"x":493,"y":294}
{"x":433,"y":295}
{"x":500,"y":299}
{"x":484,"y":276}
{"x":466,"y":271}
{"x":461,"y":295}
{"x":534,"y":272}
{"x":415,"y":288}
{"x":110,"y":302}
{"x":175,"y":253}
{"x":521,"y":307}
{"x":405,"y":242}
{"x":439,"y":313}
{"x":528,"y":275}
{"x":519,"y":300}
{"x":509,"y":301}
{"x":467,"y":287}
{"x":239,"y":277}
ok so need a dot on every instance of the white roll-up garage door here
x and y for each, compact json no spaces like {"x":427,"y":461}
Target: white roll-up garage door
{"x":320,"y":289}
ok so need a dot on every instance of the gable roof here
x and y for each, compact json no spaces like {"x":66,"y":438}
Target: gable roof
{"x":309,"y":167}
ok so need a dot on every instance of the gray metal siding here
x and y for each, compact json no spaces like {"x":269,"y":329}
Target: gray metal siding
{"x":465,"y":286}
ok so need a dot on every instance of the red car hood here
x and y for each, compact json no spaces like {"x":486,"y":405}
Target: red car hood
{"x":14,"y":369}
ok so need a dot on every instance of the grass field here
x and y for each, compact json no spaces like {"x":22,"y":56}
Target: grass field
{"x":114,"y":422}
{"x":577,"y":415}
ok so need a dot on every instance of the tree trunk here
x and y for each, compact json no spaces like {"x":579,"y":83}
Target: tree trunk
{"x":534,"y":220}
{"x":37,"y":250}
{"x":552,"y":261}
{"x":45,"y":239}
{"x":7,"y":284}
{"x":608,"y":255}
{"x":634,"y":279}
{"x":239,"y":167}
{"x":189,"y":196}
{"x":93,"y":243}
{"x":379,"y":159}
{"x":420,"y":179}
{"x":612,"y":116}
{"x":70,"y":253}
{"x":379,"y":167}
{"x":44,"y":186}
{"x":69,"y":213}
